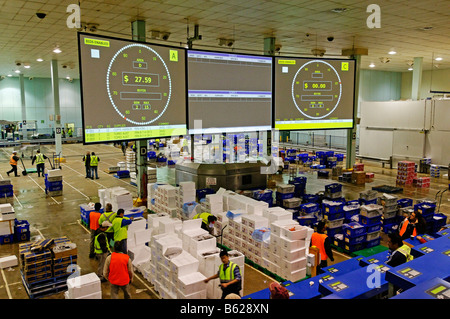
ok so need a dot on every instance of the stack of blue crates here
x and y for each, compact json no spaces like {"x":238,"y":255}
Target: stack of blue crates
{"x":333,"y":191}
{"x":333,"y":212}
{"x":354,"y":236}
{"x":427,"y":209}
{"x":53,"y":186}
{"x":21,"y":230}
{"x":300,"y":185}
{"x":308,"y":213}
{"x":122,"y":174}
{"x":85,"y":211}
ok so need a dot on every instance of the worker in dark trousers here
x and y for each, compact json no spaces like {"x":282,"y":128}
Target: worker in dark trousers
{"x":322,"y":242}
{"x":39,"y":158}
{"x":13,"y":162}
{"x":87,"y":164}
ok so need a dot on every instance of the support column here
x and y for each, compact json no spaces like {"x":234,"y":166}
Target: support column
{"x":268,"y":137}
{"x":351,"y":133}
{"x":138,"y":33}
{"x":55,"y":89}
{"x":24,"y":109}
{"x":417,"y":79}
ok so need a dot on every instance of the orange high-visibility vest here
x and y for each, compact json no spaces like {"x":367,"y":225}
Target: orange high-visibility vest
{"x":318,"y":240}
{"x":12,"y":161}
{"x":93,"y":220}
{"x":118,"y":269}
{"x":404,"y":226}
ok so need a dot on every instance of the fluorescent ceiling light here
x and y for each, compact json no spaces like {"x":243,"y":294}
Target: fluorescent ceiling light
{"x":27,"y":66}
{"x":10,"y":75}
{"x":392,"y":52}
{"x":17,"y":71}
{"x":39,"y":60}
{"x":371,"y":65}
{"x":438,"y":59}
{"x":410,"y":69}
{"x":57,"y":50}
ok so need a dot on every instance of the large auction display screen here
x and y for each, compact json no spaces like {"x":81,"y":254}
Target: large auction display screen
{"x":229,"y":92}
{"x":131,"y":90}
{"x":313,"y":93}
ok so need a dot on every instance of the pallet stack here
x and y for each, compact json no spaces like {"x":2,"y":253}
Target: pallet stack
{"x":44,"y":265}
{"x":358,"y":174}
{"x":7,"y":216}
{"x":54,"y":182}
{"x":406,"y":172}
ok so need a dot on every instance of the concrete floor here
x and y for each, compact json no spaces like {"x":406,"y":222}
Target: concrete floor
{"x":58,"y":216}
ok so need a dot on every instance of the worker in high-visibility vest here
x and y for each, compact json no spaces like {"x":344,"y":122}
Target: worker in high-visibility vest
{"x":399,"y":253}
{"x":229,"y":275}
{"x":208,"y":220}
{"x":94,"y":165}
{"x":322,"y":242}
{"x":13,"y":162}
{"x":412,"y":226}
{"x":119,"y":271}
{"x":101,"y":247}
{"x":120,"y":228}
{"x":39,"y":158}
{"x":109,"y":216}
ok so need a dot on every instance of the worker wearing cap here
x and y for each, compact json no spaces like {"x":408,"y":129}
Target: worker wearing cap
{"x":208,"y":220}
{"x":118,"y":270}
{"x":229,"y":275}
{"x":39,"y":158}
{"x":399,"y":253}
{"x":322,"y":242}
{"x":101,"y":246}
{"x":109,"y":216}
{"x":13,"y":162}
{"x":120,"y":228}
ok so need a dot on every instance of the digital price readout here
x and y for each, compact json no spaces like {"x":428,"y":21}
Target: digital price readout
{"x":131,"y":90}
{"x":313,"y":93}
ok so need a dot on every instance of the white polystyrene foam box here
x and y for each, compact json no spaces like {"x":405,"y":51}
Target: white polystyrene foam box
{"x":187,"y":185}
{"x":214,"y":198}
{"x":184,"y":264}
{"x":142,"y":236}
{"x":279,"y":215}
{"x":192,"y":224}
{"x":268,"y":210}
{"x":137,"y":224}
{"x":8,"y":261}
{"x":294,"y":232}
{"x":191,"y":283}
{"x":169,"y":241}
{"x":277,"y":226}
{"x":6,"y":208}
{"x":54,"y":172}
{"x":83,"y":285}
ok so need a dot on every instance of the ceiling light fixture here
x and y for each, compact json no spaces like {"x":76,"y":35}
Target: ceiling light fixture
{"x":410,"y":69}
{"x":371,"y":65}
{"x":339,"y":10}
{"x":39,"y":60}
{"x":438,"y":59}
{"x":57,"y":50}
{"x":392,"y":52}
{"x":17,"y":71}
{"x":27,"y":66}
{"x":9,"y":75}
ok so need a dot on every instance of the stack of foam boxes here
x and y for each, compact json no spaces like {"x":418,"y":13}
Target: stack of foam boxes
{"x":151,"y":175}
{"x":406,"y":172}
{"x":390,"y":208}
{"x":137,"y":243}
{"x":166,"y":200}
{"x":285,"y":196}
{"x":6,"y":192}
{"x":84,"y":287}
{"x":130,"y":158}
{"x":7,"y":216}
{"x":53,"y":182}
{"x":118,"y":197}
{"x":186,"y":199}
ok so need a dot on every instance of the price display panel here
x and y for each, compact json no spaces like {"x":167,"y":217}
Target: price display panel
{"x":313,"y":93}
{"x":131,"y":90}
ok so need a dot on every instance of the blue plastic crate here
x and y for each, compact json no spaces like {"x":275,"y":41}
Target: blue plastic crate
{"x":333,"y":188}
{"x":332,"y":207}
{"x":334,"y":215}
{"x":372,"y":243}
{"x":354,"y":240}
{"x":440,"y":220}
{"x":425,"y":208}
{"x":404,"y":202}
{"x":350,"y":211}
{"x":21,"y":226}
{"x":354,"y":229}
{"x":331,"y":232}
{"x":309,"y":208}
{"x":54,"y":188}
{"x":6,"y":239}
{"x":374,"y":228}
{"x":123,"y":173}
{"x":19,"y":237}
{"x":308,"y":220}
{"x":363,"y":201}
{"x":6,"y":194}
{"x":201,"y":193}
{"x":389,"y":228}
{"x":6,"y":188}
{"x":369,"y":221}
{"x":310,"y":198}
{"x":281,"y":196}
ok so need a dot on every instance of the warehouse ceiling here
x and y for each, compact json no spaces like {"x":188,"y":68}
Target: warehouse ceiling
{"x":411,"y":28}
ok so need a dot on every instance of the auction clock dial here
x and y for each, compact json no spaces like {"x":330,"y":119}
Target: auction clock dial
{"x":316,"y":89}
{"x":138,"y":84}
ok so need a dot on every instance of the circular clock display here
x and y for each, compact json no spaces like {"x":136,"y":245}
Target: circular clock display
{"x":316,"y":89}
{"x":138,"y":84}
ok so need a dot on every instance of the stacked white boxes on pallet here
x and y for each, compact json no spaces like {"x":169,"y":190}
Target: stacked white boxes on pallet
{"x":165,"y":200}
{"x":151,"y":175}
{"x":130,"y":158}
{"x":7,"y":216}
